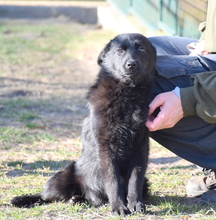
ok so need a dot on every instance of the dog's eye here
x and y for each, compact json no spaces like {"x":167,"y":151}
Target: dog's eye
{"x":120,"y":50}
{"x":141,"y":50}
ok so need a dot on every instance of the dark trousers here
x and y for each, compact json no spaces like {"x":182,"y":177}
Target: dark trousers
{"x":191,"y":138}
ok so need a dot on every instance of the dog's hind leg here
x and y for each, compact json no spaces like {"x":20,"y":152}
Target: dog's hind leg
{"x":77,"y":199}
{"x":60,"y":187}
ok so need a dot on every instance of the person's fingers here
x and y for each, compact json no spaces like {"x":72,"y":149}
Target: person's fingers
{"x":153,"y":123}
{"x":156,"y":102}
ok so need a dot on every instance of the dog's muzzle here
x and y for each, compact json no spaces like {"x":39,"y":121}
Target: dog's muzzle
{"x":131,"y":64}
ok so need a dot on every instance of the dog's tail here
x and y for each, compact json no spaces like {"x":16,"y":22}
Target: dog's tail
{"x":60,"y":187}
{"x":27,"y":201}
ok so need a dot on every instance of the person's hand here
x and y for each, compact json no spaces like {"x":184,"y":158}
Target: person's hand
{"x":170,"y":111}
{"x":197,"y":48}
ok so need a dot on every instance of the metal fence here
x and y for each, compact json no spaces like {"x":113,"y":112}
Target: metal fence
{"x":175,"y":17}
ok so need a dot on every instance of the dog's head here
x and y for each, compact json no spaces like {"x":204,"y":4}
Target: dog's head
{"x":128,"y":57}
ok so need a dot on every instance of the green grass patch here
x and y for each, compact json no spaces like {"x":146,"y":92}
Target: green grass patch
{"x":24,"y":44}
{"x":23,"y":135}
{"x":18,"y":40}
{"x":28,"y":116}
{"x":22,"y":108}
{"x":15,"y":163}
{"x":33,"y":125}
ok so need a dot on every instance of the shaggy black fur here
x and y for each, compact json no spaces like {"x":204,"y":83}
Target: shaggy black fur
{"x":115,"y":140}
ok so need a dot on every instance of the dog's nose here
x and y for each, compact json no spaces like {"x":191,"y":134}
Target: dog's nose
{"x":131,"y":64}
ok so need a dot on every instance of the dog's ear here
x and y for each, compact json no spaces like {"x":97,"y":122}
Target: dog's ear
{"x":103,"y":53}
{"x":154,"y":53}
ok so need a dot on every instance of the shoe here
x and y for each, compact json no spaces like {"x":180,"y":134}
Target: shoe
{"x":208,"y":198}
{"x":198,"y":185}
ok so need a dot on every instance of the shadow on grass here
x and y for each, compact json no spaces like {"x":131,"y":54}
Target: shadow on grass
{"x":45,"y":168}
{"x":28,"y":92}
{"x":164,"y":160}
{"x":179,"y":167}
{"x":177,"y":205}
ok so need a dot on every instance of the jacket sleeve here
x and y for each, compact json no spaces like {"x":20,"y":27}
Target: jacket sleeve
{"x":200,"y":98}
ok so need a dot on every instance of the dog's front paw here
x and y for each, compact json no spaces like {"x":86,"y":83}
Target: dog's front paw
{"x":137,"y":206}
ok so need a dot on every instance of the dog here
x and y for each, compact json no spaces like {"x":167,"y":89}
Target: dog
{"x":112,"y":166}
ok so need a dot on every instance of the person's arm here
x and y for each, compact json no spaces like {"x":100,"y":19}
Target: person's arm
{"x":199,"y":99}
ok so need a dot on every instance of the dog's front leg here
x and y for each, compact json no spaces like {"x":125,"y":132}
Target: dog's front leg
{"x":136,"y":172}
{"x":113,"y":187}
{"x":135,"y":187}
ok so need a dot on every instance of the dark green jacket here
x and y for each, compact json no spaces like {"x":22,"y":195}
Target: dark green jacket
{"x":200,"y":98}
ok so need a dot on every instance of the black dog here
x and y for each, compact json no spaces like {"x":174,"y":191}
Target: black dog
{"x":115,"y":140}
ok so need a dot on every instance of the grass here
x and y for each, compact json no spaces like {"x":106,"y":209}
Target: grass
{"x":17,"y":41}
{"x":43,"y":83}
{"x":22,"y":135}
{"x":41,"y":45}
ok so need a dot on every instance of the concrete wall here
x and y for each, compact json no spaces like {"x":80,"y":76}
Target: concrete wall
{"x":80,"y":14}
